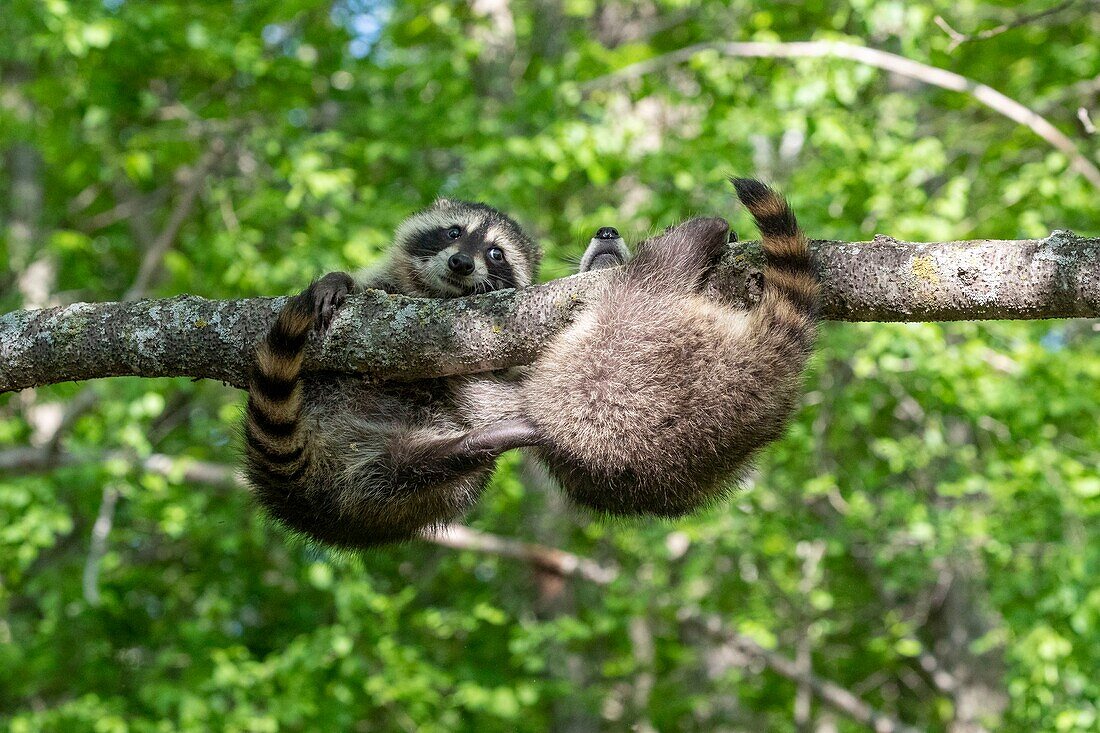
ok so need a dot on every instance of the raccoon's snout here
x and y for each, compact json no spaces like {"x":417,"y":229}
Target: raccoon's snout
{"x":607,"y":233}
{"x":461,"y":263}
{"x":604,"y":253}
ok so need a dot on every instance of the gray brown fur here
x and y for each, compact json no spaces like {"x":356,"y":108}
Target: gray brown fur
{"x":657,"y":397}
{"x":653,"y":401}
{"x":353,"y":463}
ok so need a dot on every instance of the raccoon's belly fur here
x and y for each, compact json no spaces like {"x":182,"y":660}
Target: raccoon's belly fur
{"x":359,"y":485}
{"x":655,"y":403}
{"x":657,"y":397}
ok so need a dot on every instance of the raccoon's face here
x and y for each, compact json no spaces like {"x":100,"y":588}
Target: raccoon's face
{"x":455,"y":248}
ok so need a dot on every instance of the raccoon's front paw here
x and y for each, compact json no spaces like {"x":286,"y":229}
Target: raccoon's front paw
{"x":328,"y":294}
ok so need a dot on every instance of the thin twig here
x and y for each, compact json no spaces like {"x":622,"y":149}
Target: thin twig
{"x":811,"y":553}
{"x":26,"y":461}
{"x":958,"y":38}
{"x":830,"y":693}
{"x":1086,"y":121}
{"x":154,"y":255}
{"x":645,"y":655}
{"x":98,"y":545}
{"x":549,"y":559}
{"x":75,"y":408}
{"x":1081,"y":91}
{"x":894,"y":63}
{"x":132,"y":206}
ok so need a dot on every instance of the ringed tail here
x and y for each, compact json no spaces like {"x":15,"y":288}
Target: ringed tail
{"x":275,"y":443}
{"x":788,"y":272}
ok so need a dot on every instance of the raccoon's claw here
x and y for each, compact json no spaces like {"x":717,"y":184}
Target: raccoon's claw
{"x":329,"y":293}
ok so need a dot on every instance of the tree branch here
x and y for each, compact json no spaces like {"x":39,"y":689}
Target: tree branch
{"x":547,"y":559}
{"x":987,"y":95}
{"x":405,"y":338}
{"x":101,"y":530}
{"x":1080,"y":91}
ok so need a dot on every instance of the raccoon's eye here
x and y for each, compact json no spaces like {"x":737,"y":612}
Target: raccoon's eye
{"x":496,"y":254}
{"x":454,"y":233}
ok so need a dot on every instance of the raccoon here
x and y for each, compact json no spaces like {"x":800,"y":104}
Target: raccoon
{"x":355,"y":463}
{"x":652,"y":402}
{"x":656,"y":398}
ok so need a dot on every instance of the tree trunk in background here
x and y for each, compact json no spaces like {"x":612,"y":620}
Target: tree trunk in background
{"x":555,"y":598}
{"x":34,"y":269}
{"x":960,"y":620}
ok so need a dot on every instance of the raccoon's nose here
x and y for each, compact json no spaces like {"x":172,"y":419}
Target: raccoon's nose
{"x":607,"y":233}
{"x":461,"y":264}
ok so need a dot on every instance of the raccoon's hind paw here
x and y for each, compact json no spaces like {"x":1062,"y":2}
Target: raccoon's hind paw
{"x":327,"y":295}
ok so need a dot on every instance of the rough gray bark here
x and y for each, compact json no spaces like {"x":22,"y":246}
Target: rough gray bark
{"x":405,"y":338}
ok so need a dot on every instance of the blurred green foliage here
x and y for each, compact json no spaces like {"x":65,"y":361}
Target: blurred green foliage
{"x":927,"y":532}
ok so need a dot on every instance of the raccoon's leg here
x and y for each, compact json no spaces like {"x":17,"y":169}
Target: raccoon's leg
{"x":328,"y":294}
{"x":422,"y":458}
{"x":394,"y":481}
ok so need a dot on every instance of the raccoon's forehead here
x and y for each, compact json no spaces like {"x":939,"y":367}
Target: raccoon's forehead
{"x":494,"y":226}
{"x":436,"y":218}
{"x":508,"y":237}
